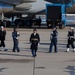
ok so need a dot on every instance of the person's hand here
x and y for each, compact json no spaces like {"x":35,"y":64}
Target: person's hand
{"x":30,"y":43}
{"x":38,"y":44}
{"x":17,"y":38}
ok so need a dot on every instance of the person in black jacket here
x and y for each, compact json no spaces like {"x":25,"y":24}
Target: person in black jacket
{"x":70,"y":39}
{"x":34,"y":40}
{"x":2,"y":37}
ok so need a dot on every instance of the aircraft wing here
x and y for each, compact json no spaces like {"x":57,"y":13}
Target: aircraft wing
{"x":17,"y":5}
{"x":33,"y":6}
{"x":12,"y":2}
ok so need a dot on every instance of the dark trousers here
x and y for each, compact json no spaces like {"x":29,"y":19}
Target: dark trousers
{"x":15,"y":46}
{"x":70,"y":42}
{"x":2,"y":44}
{"x":34,"y":47}
{"x":53,"y":43}
{"x":34,"y":52}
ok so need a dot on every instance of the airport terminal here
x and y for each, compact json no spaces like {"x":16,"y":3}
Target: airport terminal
{"x":27,"y":18}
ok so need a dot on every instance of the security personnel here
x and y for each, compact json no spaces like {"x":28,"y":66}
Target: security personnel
{"x":15,"y":35}
{"x":70,"y":39}
{"x":34,"y":40}
{"x":2,"y":37}
{"x":53,"y":38}
{"x":39,"y":21}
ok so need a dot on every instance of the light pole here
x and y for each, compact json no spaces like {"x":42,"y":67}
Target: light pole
{"x":2,"y":15}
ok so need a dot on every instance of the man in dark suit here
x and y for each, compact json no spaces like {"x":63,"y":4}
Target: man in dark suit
{"x":2,"y":37}
{"x":34,"y":40}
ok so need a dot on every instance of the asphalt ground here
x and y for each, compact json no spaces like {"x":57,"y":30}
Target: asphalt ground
{"x":22,"y":63}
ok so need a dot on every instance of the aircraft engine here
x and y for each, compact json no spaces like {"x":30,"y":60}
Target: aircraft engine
{"x":5,"y":9}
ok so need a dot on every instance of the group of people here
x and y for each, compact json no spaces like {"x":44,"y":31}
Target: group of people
{"x":15,"y":35}
{"x":35,"y":40}
{"x":70,"y":41}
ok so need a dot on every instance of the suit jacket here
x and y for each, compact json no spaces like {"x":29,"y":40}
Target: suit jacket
{"x":34,"y":40}
{"x":2,"y":35}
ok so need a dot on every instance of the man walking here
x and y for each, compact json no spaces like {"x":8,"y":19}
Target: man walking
{"x":34,"y":40}
{"x":2,"y":37}
{"x":53,"y":38}
{"x":15,"y":35}
{"x":70,"y":39}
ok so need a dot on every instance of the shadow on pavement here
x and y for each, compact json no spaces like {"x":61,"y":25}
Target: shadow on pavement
{"x":71,"y":70}
{"x":7,"y":60}
{"x":2,"y":69}
{"x":15,"y":54}
{"x":48,"y":43}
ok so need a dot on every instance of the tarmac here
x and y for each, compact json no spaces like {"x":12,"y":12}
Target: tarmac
{"x":22,"y":63}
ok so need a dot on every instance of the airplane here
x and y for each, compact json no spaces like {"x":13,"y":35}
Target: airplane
{"x":15,"y":7}
{"x":15,"y":4}
{"x":7,"y":6}
{"x":30,"y":6}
